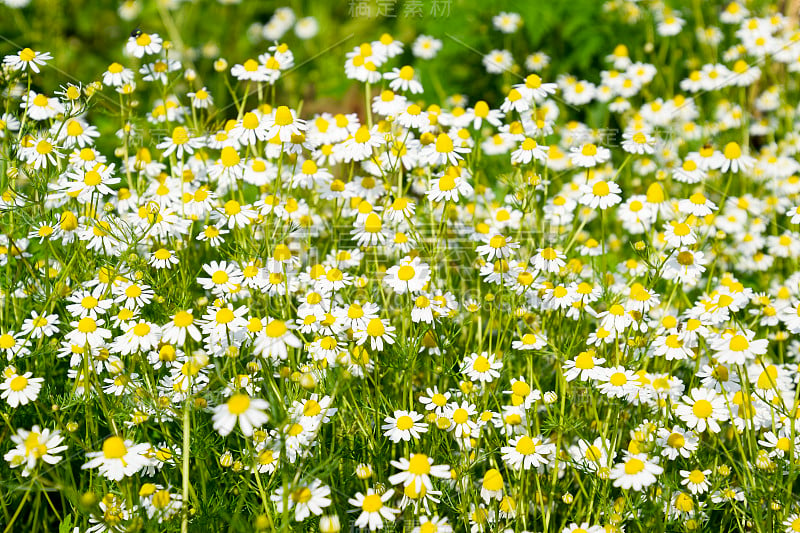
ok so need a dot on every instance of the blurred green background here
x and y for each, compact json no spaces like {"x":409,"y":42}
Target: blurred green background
{"x":85,"y":36}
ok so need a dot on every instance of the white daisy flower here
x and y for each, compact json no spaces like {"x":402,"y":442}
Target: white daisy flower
{"x":636,"y":472}
{"x":240,"y":408}
{"x":20,"y":389}
{"x":119,"y":458}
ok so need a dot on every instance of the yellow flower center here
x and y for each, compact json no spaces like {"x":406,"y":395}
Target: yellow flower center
{"x":372,"y":503}
{"x":375,"y":328}
{"x":229,"y":156}
{"x":600,"y":188}
{"x":224,"y":316}
{"x":676,"y":440}
{"x":27,"y":55}
{"x":276,"y":328}
{"x":498,"y":241}
{"x":301,"y":495}
{"x":739,"y":343}
{"x":685,"y":258}
{"x":618,"y":379}
{"x":18,"y":383}
{"x":373,"y":223}
{"x":238,"y":404}
{"x":481,"y":364}
{"x":283,"y":116}
{"x":525,"y":445}
{"x":183,"y":319}
{"x":633,"y":466}
{"x":702,"y":409}
{"x":493,"y":480}
{"x":87,"y":325}
{"x":697,"y":476}
{"x":311,"y":408}
{"x":419,"y":465}
{"x":444,"y":144}
{"x":232,"y":207}
{"x":406,"y":73}
{"x":732,"y":151}
{"x":114,"y":448}
{"x":405,"y":273}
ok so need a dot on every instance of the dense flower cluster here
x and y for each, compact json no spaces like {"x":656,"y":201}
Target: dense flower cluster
{"x":450,"y":315}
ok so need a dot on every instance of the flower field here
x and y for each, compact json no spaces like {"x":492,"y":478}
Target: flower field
{"x":404,"y":266}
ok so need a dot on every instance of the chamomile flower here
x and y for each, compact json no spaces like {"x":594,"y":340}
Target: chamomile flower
{"x":484,"y":367}
{"x":201,"y":98}
{"x":589,"y":155}
{"x":140,"y":336}
{"x":498,"y":61}
{"x":507,"y":22}
{"x":528,"y":151}
{"x":697,"y":481}
{"x":638,"y":142}
{"x":697,"y":204}
{"x":426,"y":47}
{"x":677,"y":442}
{"x":636,"y":472}
{"x":672,"y":346}
{"x":417,"y":471}
{"x":38,"y":326}
{"x":530,"y":341}
{"x":534,"y":89}
{"x":274,"y":339}
{"x":26,"y":59}
{"x":402,"y":79}
{"x":498,"y":247}
{"x":33,"y":446}
{"x":132,"y":294}
{"x":584,"y":366}
{"x":737,"y":347}
{"x":40,"y":107}
{"x":162,"y":258}
{"x":703,"y":409}
{"x":88,"y":331}
{"x":117,"y":75}
{"x":182,"y":323}
{"x":374,"y":510}
{"x":212,"y":234}
{"x":600,"y":194}
{"x":143,"y":43}
{"x":548,"y":260}
{"x":283,"y":123}
{"x":119,"y":458}
{"x":14,"y":344}
{"x":378,"y":332}
{"x":225,"y":277}
{"x":678,"y":234}
{"x":304,"y":498}
{"x":450,"y":186}
{"x":180,"y":142}
{"x":433,"y":525}
{"x":443,"y":151}
{"x":460,"y":416}
{"x":525,"y":452}
{"x":734,"y":160}
{"x":686,"y":266}
{"x":240,"y":408}
{"x":250,"y":70}
{"x":20,"y":389}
